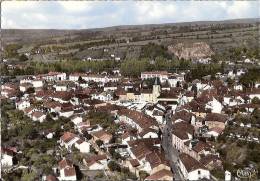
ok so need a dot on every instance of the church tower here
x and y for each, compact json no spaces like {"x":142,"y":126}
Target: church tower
{"x":156,"y":89}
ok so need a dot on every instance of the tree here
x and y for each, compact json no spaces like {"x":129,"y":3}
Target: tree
{"x":30,"y":90}
{"x":256,"y":100}
{"x":87,"y":135}
{"x":23,"y":58}
{"x":99,"y":142}
{"x":114,"y":154}
{"x":28,"y":176}
{"x":113,"y":166}
{"x":11,"y":50}
{"x":143,"y":174}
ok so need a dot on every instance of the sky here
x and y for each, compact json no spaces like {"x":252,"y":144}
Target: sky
{"x":97,"y":14}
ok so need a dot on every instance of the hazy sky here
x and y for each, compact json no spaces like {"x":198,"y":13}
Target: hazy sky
{"x":92,"y":14}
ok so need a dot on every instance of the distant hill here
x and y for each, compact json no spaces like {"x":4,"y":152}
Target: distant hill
{"x":27,"y":35}
{"x":127,"y":40}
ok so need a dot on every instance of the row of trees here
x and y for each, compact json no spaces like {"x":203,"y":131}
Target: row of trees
{"x":131,"y":68}
{"x":250,"y":78}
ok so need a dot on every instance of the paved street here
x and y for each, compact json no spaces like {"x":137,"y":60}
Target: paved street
{"x":171,"y":153}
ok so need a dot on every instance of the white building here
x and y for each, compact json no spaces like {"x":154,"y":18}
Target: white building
{"x":174,"y":79}
{"x":21,"y":105}
{"x":68,"y":140}
{"x":37,"y":83}
{"x":214,"y":105}
{"x":191,"y":168}
{"x":82,"y":146}
{"x":6,"y":157}
{"x":55,"y":76}
{"x":61,"y":87}
{"x":38,"y":116}
{"x":96,"y":162}
{"x":67,"y":170}
{"x":162,"y":75}
{"x":76,"y":119}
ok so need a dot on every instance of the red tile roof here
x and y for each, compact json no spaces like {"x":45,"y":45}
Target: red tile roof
{"x":67,"y":136}
{"x":65,"y":163}
{"x":134,"y":162}
{"x":51,"y":178}
{"x":160,"y":175}
{"x":68,"y":172}
{"x":190,"y":163}
{"x":216,"y":117}
{"x":139,"y":118}
{"x":95,"y":158}
{"x":156,"y":158}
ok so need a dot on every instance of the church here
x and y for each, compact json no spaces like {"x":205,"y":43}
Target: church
{"x":151,"y":95}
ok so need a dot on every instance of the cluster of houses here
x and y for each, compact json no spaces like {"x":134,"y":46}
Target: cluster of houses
{"x":200,"y":112}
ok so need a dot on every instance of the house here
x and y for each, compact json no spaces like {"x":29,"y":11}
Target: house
{"x":211,"y":161}
{"x":66,"y":110}
{"x":68,"y":139}
{"x":214,"y":105}
{"x":9,"y":90}
{"x":175,"y":79}
{"x":157,"y":161}
{"x":196,"y":148}
{"x":183,"y":115}
{"x":22,"y":104}
{"x":148,"y":153}
{"x":162,"y":175}
{"x":25,"y":86}
{"x":181,"y":132}
{"x":133,"y":165}
{"x":156,"y":111}
{"x":82,"y":146}
{"x":104,"y":96}
{"x":128,"y":135}
{"x":238,"y":87}
{"x":96,"y":162}
{"x":28,"y":111}
{"x":38,"y":116}
{"x":100,"y":78}
{"x":52,"y":106}
{"x":55,"y":76}
{"x":254,"y":93}
{"x":48,"y":134}
{"x":61,"y":96}
{"x":76,"y":119}
{"x":102,"y":135}
{"x":61,"y":86}
{"x":148,"y":133}
{"x":191,"y":168}
{"x":49,"y":178}
{"x":75,"y":76}
{"x":162,"y":75}
{"x":110,"y":86}
{"x":257,"y":84}
{"x":43,"y":95}
{"x":83,"y":126}
{"x":136,"y":119}
{"x":168,"y":96}
{"x":37,"y":83}
{"x":67,"y":170}
{"x":214,"y":132}
{"x":7,"y":156}
{"x":215,"y":120}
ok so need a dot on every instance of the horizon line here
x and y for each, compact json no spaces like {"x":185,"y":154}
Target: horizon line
{"x":125,"y":25}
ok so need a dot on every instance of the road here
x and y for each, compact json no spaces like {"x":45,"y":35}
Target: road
{"x":171,"y":153}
